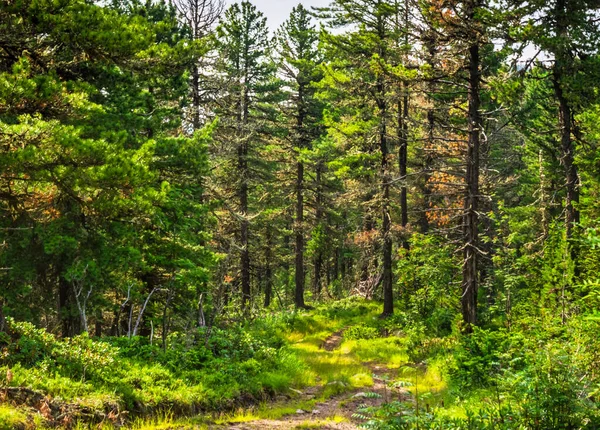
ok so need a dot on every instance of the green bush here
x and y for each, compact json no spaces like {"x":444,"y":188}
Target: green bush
{"x":347,"y":308}
{"x":208,"y":369}
{"x":552,"y":391}
{"x":481,"y":356}
{"x":361,"y":331}
{"x":75,"y":357}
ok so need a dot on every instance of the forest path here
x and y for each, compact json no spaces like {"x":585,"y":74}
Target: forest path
{"x":334,"y":412}
{"x":334,"y":341}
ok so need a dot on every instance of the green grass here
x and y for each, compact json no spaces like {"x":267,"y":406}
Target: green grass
{"x":342,"y":369}
{"x":167,"y":422}
{"x":12,"y":418}
{"x":319,"y":424}
{"x":390,"y":351}
{"x":265,"y":411}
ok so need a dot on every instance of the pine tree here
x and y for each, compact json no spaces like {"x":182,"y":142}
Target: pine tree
{"x":246,"y":112}
{"x":367,"y":55}
{"x":297,"y":46}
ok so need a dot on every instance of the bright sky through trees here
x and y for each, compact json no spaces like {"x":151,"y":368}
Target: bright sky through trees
{"x":278,"y":11}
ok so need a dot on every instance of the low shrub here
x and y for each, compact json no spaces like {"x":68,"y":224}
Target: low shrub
{"x":361,"y":331}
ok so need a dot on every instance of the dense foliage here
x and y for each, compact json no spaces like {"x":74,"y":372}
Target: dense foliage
{"x":175,"y":178}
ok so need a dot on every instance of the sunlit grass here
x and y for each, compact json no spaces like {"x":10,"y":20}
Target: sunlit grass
{"x":342,"y":369}
{"x":266,"y":411}
{"x":390,"y":351}
{"x":351,"y":366}
{"x":12,"y":418}
{"x":425,"y":383}
{"x":321,"y":423}
{"x":456,"y":405}
{"x":326,"y":367}
{"x":168,"y":422}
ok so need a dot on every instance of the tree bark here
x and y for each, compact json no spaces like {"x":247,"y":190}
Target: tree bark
{"x":430,"y":43}
{"x":388,"y":297}
{"x":403,"y":155}
{"x":3,"y":326}
{"x":196,"y":97}
{"x":64,"y":308}
{"x":268,"y":269}
{"x":403,"y":147}
{"x":386,"y":221}
{"x":299,"y":295}
{"x":299,"y":225}
{"x":318,"y":258}
{"x":471,"y":201}
{"x":563,"y":57}
{"x":567,"y":148}
{"x":243,"y":200}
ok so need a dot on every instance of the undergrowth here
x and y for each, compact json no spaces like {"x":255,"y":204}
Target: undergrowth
{"x":539,"y":376}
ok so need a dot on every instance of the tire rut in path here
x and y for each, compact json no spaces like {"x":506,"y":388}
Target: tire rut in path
{"x":334,"y":341}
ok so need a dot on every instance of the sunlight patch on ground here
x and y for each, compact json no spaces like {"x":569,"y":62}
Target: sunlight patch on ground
{"x":319,"y":424}
{"x":388,"y":351}
{"x":11,"y":418}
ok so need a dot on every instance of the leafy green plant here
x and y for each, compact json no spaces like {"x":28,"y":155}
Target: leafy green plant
{"x":361,"y":331}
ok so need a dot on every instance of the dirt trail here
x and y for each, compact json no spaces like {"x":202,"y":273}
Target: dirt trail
{"x":342,"y":405}
{"x":334,"y":341}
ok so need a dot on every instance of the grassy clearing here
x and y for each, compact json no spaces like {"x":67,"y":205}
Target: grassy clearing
{"x":344,"y":368}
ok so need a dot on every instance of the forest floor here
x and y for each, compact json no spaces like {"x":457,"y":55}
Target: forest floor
{"x":333,"y":365}
{"x":335,"y":412}
{"x":338,"y":366}
{"x":344,"y":375}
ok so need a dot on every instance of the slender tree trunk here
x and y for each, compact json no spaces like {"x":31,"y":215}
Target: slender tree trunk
{"x":139,"y":322}
{"x":243,"y":201}
{"x":368,"y":225}
{"x":543,"y":199}
{"x":386,"y":222}
{"x":288,"y":249}
{"x":567,"y":147}
{"x":3,"y":326}
{"x":430,"y":43}
{"x":567,"y":150}
{"x":98,"y":324}
{"x":470,"y":217}
{"x":268,"y":269}
{"x":201,"y":317}
{"x":318,"y":258}
{"x":196,"y":98}
{"x":299,"y":296}
{"x":403,"y":158}
{"x":336,"y":264}
{"x":427,"y":168}
{"x":403,"y":140}
{"x":299,"y":225}
{"x":125,"y":323}
{"x":165,"y":319}
{"x":64,"y":308}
